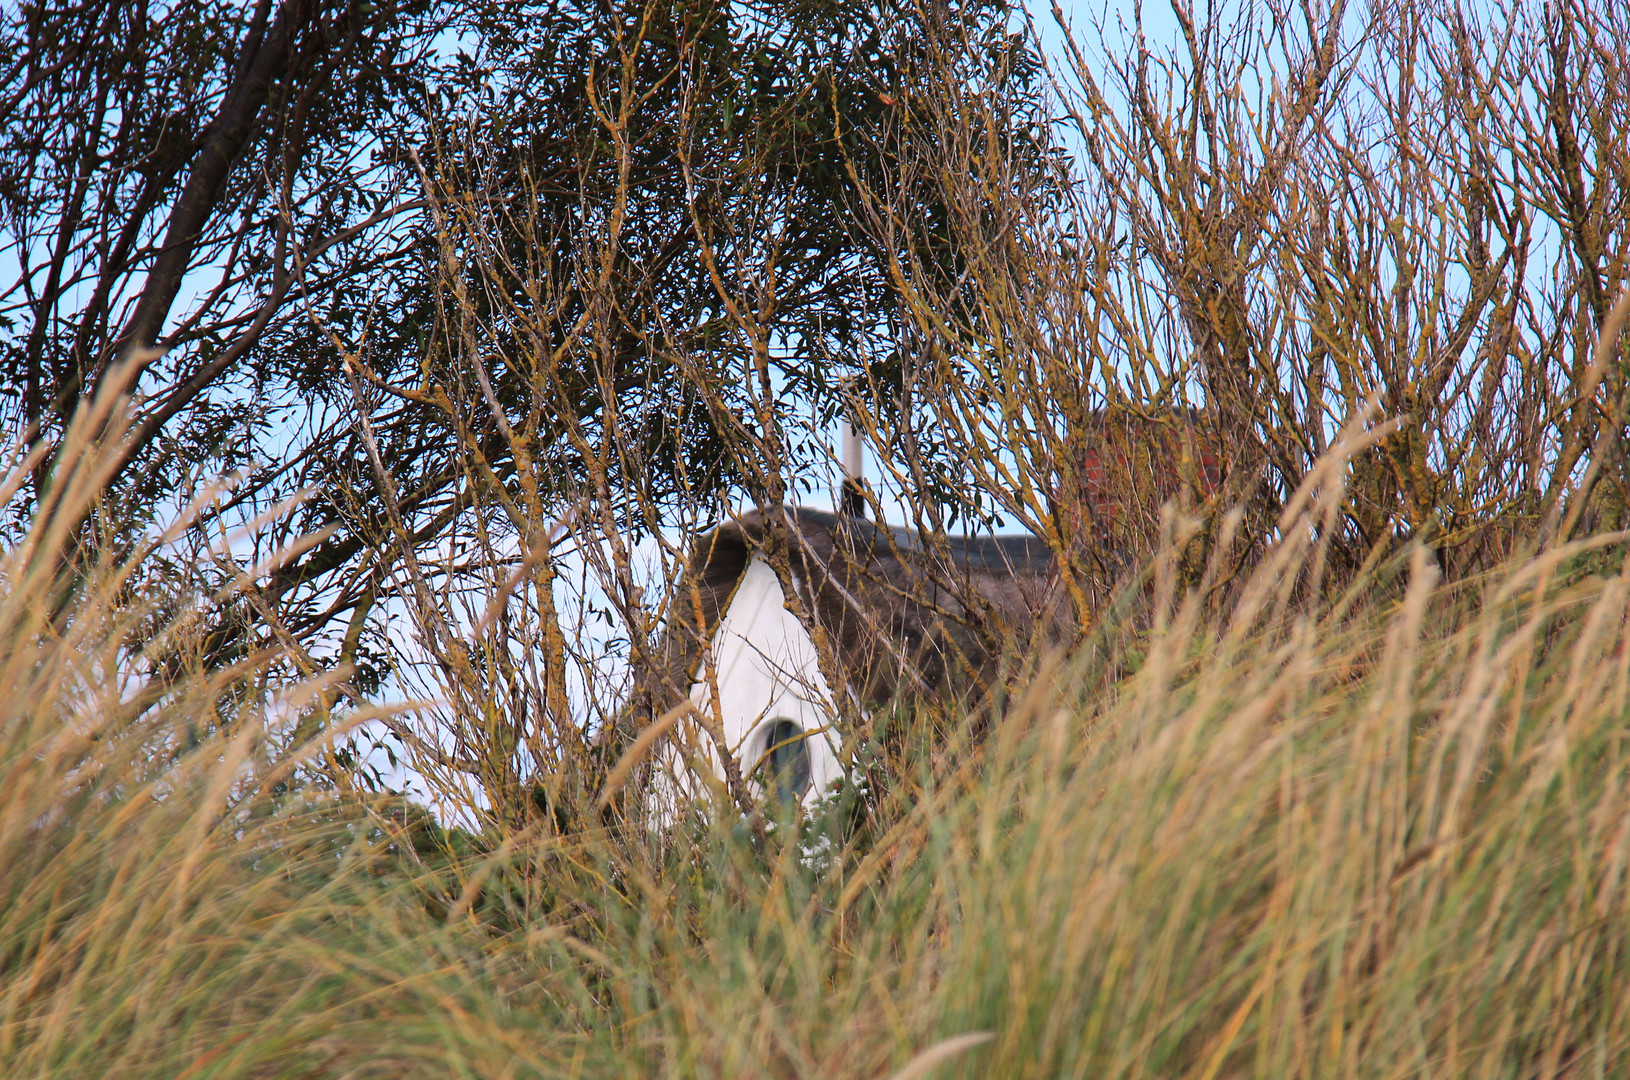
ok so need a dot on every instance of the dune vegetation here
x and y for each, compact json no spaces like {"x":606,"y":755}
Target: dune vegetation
{"x":369,"y":369}
{"x":1381,"y":830}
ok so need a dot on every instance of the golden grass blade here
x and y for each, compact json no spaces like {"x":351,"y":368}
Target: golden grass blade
{"x":647,"y":738}
{"x":941,"y":1052}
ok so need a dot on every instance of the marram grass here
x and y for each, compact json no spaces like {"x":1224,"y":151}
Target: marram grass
{"x":1376,"y":834}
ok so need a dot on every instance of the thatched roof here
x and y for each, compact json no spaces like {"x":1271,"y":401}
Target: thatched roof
{"x":903,"y":614}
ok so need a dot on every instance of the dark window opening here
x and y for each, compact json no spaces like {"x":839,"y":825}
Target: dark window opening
{"x":784,"y":771}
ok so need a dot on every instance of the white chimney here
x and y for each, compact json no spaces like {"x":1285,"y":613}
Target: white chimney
{"x":852,"y":498}
{"x":854,"y":467}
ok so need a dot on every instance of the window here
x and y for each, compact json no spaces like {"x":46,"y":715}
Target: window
{"x":784,"y":763}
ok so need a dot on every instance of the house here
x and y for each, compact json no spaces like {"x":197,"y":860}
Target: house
{"x":897,"y":613}
{"x":787,"y":619}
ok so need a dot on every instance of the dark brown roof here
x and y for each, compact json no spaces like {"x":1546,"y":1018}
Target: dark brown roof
{"x":904,"y":613}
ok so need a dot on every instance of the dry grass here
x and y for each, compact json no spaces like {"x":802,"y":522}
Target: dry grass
{"x":1380,"y":833}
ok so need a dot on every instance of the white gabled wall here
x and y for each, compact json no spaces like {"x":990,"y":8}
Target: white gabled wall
{"x":765,"y":669}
